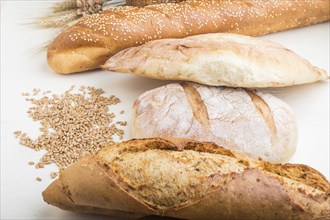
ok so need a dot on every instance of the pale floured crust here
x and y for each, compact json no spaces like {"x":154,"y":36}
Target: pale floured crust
{"x":218,"y":60}
{"x":90,"y":42}
{"x":195,"y":180}
{"x":250,"y":122}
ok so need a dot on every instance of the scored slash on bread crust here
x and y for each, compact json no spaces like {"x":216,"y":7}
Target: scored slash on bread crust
{"x":196,"y":103}
{"x":264,"y":110}
{"x":95,"y":38}
{"x":192,"y":180}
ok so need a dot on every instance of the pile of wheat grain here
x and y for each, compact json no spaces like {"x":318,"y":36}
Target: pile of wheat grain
{"x":72,"y":124}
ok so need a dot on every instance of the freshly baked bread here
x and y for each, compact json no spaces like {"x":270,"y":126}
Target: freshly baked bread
{"x":190,"y":180}
{"x":90,"y":42}
{"x":245,"y":121}
{"x":141,"y":3}
{"x":217,"y":59}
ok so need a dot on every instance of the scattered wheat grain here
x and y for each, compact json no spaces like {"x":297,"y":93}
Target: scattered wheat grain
{"x":72,"y":124}
{"x":53,"y":175}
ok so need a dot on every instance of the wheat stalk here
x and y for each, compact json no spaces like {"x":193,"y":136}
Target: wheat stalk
{"x":71,"y":23}
{"x":58,"y":19}
{"x":47,"y":43}
{"x":64,"y":5}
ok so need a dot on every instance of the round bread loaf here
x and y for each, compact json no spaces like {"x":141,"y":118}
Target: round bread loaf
{"x":246,"y":121}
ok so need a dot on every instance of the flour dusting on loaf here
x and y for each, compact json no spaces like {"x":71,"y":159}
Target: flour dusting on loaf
{"x":244,"y":121}
{"x":219,"y":60}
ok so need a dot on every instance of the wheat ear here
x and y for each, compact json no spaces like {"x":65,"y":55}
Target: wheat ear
{"x":64,"y":5}
{"x":57,"y":19}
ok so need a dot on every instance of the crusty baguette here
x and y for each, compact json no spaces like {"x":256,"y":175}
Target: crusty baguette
{"x":220,"y":59}
{"x":190,"y":180}
{"x":245,"y":121}
{"x":142,"y":3}
{"x":90,"y":42}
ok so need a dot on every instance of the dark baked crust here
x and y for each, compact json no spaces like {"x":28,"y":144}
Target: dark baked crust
{"x":93,"y":185}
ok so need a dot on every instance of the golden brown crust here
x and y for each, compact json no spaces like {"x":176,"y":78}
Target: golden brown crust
{"x":96,"y":184}
{"x":80,"y":59}
{"x":122,"y":27}
{"x":100,"y":191}
{"x":229,"y":202}
{"x":142,"y":3}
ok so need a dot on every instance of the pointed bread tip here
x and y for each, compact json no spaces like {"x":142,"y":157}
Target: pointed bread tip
{"x":55,"y":195}
{"x":323,"y":74}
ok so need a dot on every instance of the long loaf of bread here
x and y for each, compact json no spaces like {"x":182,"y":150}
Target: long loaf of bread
{"x":89,"y":43}
{"x":142,"y":3}
{"x":220,"y":59}
{"x":190,"y":180}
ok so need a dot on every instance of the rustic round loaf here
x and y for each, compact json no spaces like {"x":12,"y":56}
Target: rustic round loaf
{"x":246,"y":121}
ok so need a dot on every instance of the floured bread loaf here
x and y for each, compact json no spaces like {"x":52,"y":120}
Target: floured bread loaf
{"x":191,"y":180}
{"x":250,"y":122}
{"x":218,"y":60}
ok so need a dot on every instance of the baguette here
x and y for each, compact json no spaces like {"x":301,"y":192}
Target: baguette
{"x":220,"y":59}
{"x":90,"y":42}
{"x":245,"y":121}
{"x":190,"y":180}
{"x":142,"y":3}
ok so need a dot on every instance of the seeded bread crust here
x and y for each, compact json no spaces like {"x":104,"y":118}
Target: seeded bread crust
{"x":142,"y":3}
{"x":188,"y":180}
{"x":89,"y":43}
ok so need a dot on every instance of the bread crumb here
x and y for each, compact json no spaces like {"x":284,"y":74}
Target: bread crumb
{"x":31,"y":163}
{"x":39,"y":179}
